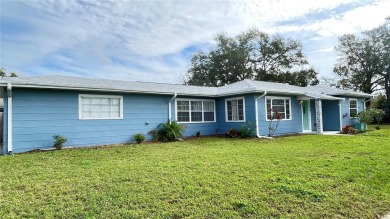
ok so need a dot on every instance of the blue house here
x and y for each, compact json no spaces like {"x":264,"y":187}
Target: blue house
{"x":90,"y":111}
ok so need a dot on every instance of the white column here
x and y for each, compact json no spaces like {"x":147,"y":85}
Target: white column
{"x":9,"y":117}
{"x":319,"y":123}
{"x":341,"y":116}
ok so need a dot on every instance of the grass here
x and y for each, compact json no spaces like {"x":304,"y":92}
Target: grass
{"x":307,"y":176}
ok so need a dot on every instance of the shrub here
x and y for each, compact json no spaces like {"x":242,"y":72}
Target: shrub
{"x":274,"y":120}
{"x":247,"y":130}
{"x":233,"y":133}
{"x":168,"y":131}
{"x":349,"y":130}
{"x":371,"y":114}
{"x":59,"y":142}
{"x":139,"y":138}
{"x":365,"y":116}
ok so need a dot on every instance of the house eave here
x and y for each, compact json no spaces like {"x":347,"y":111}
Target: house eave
{"x":232,"y":93}
{"x":214,"y":95}
{"x":15,"y":85}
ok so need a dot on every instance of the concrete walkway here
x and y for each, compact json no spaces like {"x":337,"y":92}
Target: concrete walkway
{"x":386,"y":216}
{"x":332,"y":133}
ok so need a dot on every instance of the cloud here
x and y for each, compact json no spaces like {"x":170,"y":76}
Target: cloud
{"x":351,"y":21}
{"x":153,"y":40}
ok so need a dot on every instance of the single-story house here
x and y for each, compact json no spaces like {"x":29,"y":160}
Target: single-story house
{"x":90,"y":111}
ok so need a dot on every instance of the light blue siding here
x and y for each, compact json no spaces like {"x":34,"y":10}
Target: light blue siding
{"x":223,"y":125}
{"x":291,"y":126}
{"x":205,"y":128}
{"x":39,"y":114}
{"x":330,"y":113}
{"x":345,"y":111}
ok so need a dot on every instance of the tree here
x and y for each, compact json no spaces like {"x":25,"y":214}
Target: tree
{"x":364,"y":60}
{"x":378,"y":115}
{"x":251,"y":55}
{"x":336,"y":82}
{"x":379,"y":102}
{"x":4,"y":74}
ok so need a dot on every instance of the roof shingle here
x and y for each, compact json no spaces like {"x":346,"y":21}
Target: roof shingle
{"x":244,"y":86}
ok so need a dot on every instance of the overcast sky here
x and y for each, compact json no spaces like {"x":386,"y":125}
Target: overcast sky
{"x":154,"y":40}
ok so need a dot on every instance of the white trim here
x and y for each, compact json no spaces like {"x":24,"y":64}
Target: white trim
{"x":309,"y":116}
{"x":189,"y":110}
{"x":9,"y":118}
{"x":63,"y":87}
{"x":170,"y":107}
{"x":349,"y":107}
{"x":319,"y":118}
{"x":243,"y":106}
{"x":276,"y":97}
{"x":257,"y":113}
{"x":341,"y":115}
{"x":100,"y":96}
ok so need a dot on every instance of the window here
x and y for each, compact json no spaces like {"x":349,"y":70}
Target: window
{"x":195,"y":110}
{"x":100,"y":107}
{"x":183,"y":111}
{"x":353,"y":108}
{"x":208,"y":110}
{"x":280,"y":105}
{"x":235,"y":110}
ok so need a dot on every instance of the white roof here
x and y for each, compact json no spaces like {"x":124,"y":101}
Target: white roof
{"x":309,"y":95}
{"x":244,"y":86}
{"x":337,"y":92}
{"x":95,"y":84}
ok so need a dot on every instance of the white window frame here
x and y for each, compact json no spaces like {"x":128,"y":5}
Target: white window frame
{"x":276,"y":97}
{"x":100,"y":96}
{"x":203,"y":100}
{"x":309,"y":115}
{"x":349,"y":107}
{"x":243,"y":106}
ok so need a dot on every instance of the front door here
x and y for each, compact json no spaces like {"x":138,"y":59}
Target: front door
{"x":306,"y":115}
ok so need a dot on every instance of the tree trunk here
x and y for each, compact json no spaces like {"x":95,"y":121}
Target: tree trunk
{"x":387,"y":89}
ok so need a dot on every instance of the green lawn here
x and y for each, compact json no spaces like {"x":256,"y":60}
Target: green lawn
{"x":297,"y":176}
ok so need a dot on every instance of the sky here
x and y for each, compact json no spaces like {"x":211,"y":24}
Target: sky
{"x":153,"y":40}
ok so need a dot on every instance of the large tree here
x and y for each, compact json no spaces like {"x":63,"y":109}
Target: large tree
{"x":251,"y":55}
{"x":364,"y":60}
{"x":3,"y":73}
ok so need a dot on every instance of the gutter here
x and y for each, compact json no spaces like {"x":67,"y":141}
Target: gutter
{"x":170,"y":107}
{"x":341,"y":115}
{"x":257,"y":116}
{"x":9,"y":118}
{"x":99,"y":89}
{"x":369,"y":100}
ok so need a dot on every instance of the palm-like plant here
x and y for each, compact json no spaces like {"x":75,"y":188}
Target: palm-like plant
{"x":169,"y":131}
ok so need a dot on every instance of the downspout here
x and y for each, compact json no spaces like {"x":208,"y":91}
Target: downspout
{"x":257,"y":115}
{"x":364,"y":106}
{"x":169,"y":107}
{"x":9,"y":117}
{"x":340,"y":115}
